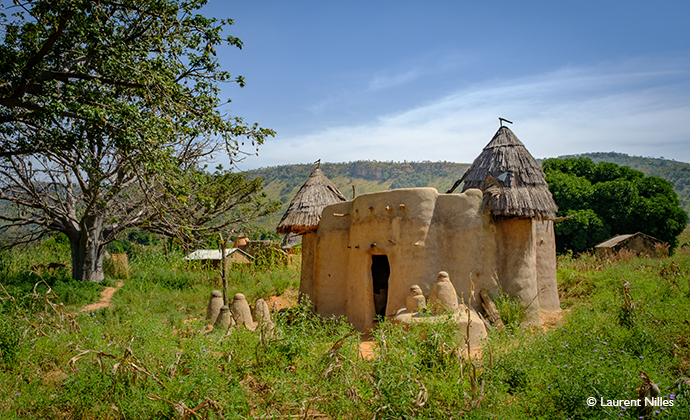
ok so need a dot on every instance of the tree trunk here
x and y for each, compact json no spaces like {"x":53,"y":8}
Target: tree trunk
{"x":88,"y":251}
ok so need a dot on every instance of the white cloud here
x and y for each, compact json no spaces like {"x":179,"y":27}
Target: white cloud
{"x":636,"y":107}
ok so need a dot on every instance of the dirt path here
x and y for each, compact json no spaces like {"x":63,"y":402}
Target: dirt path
{"x":286,"y":300}
{"x":106,"y":298}
{"x":367,"y":350}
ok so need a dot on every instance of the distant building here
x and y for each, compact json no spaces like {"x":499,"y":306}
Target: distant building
{"x":637,"y":243}
{"x":213,"y":256}
{"x":290,"y":240}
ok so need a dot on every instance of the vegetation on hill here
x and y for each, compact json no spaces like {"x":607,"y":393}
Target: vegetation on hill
{"x":149,"y":355}
{"x":282,"y":182}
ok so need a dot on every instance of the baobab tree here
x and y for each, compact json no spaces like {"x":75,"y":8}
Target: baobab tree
{"x":107,"y":110}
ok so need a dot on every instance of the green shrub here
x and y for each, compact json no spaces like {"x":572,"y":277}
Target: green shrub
{"x":10,"y":338}
{"x":511,"y":310}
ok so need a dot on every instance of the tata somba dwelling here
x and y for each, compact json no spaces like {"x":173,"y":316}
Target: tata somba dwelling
{"x":360,"y":257}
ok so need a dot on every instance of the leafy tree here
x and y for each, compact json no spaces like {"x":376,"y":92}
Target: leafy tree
{"x":569,"y":191}
{"x":142,"y":238}
{"x":107,"y":109}
{"x":263,"y":234}
{"x":206,"y":203}
{"x":602,"y":200}
{"x":580,"y":230}
{"x":678,"y":173}
{"x":581,"y":167}
{"x":614,"y":202}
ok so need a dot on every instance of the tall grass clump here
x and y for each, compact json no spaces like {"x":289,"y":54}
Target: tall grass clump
{"x":10,"y":334}
{"x":511,"y":309}
{"x":420,"y":372}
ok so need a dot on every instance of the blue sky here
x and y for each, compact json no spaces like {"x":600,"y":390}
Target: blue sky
{"x":410,"y":80}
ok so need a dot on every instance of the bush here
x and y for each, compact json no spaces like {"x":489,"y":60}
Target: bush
{"x":10,"y":335}
{"x":511,"y":310}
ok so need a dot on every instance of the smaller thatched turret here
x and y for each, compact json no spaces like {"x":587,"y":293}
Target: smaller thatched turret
{"x":512,"y":180}
{"x":304,"y":212}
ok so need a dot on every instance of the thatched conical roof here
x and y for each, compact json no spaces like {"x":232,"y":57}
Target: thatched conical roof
{"x":512,"y":180}
{"x":304,"y":212}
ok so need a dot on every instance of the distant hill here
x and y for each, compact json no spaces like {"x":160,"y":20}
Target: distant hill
{"x":283,"y":182}
{"x":678,"y":173}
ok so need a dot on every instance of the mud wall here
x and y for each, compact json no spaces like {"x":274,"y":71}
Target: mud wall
{"x":421,"y":232}
{"x":547,"y":284}
{"x":306,"y":284}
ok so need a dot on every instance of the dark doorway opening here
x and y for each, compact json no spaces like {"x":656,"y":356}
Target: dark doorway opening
{"x":380,"y":271}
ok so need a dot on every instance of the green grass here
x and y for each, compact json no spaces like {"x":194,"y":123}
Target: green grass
{"x":151,"y":346}
{"x":18,"y":276}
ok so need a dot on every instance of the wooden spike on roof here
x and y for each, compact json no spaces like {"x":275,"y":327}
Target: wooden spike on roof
{"x":517,"y":184}
{"x":304,"y":212}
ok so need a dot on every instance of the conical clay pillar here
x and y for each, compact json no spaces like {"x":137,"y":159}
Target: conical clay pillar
{"x":415,"y":301}
{"x":443,"y":296}
{"x":241,"y":312}
{"x":262,"y":315}
{"x":224,"y":319}
{"x":214,"y":305}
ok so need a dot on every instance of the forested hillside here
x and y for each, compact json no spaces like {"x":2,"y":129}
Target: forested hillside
{"x":283,"y":182}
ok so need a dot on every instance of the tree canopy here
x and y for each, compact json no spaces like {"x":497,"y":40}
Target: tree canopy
{"x":107,"y":111}
{"x":141,"y":73}
{"x":605,"y":199}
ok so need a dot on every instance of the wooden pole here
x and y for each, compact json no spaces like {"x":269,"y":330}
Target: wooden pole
{"x":222,"y":269}
{"x":457,"y":183}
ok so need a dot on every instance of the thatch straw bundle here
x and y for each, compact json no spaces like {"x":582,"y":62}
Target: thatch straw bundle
{"x":511,"y":179}
{"x":304,"y":212}
{"x":119,"y":268}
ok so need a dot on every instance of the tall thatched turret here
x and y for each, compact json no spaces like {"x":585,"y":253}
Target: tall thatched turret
{"x":511,"y":179}
{"x":302,"y":218}
{"x":304,"y":212}
{"x":517,"y":196}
